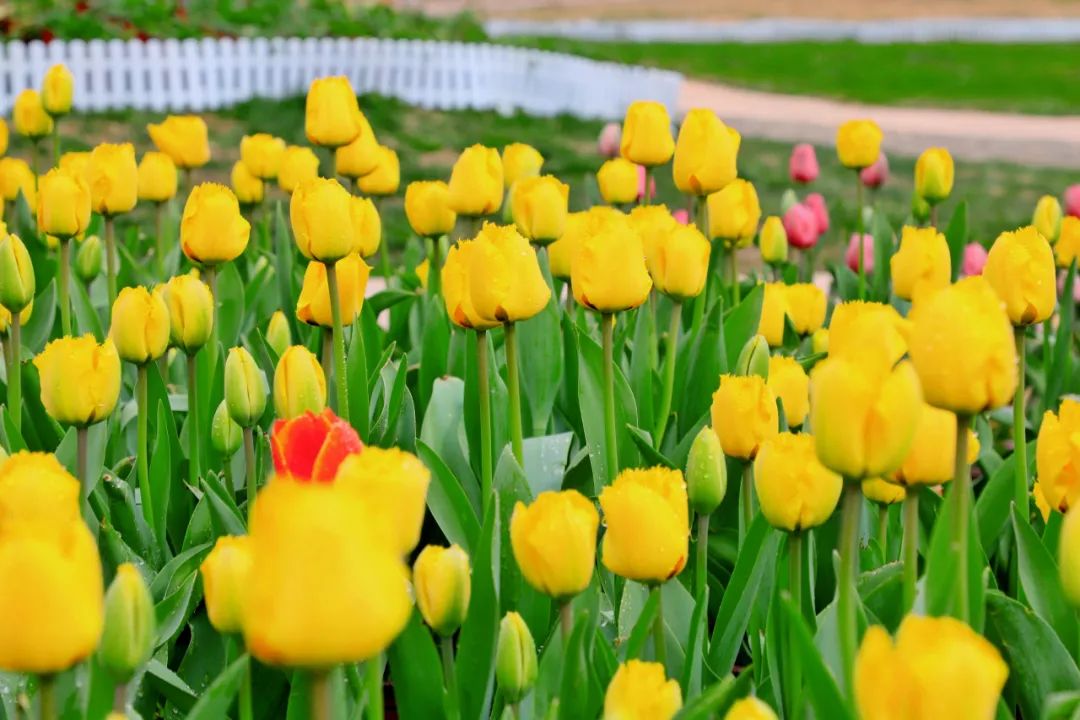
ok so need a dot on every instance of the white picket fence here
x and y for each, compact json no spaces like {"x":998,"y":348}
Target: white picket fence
{"x":210,"y":73}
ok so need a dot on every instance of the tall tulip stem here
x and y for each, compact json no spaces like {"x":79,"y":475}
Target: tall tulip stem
{"x":746,"y":500}
{"x":245,"y":711}
{"x":1020,"y":488}
{"x":659,"y":639}
{"x":434,"y":265}
{"x":700,"y":216}
{"x":566,"y":620}
{"x":340,"y":374}
{"x":733,"y":270}
{"x":142,"y":460}
{"x":110,"y":258}
{"x":374,"y":672}
{"x":319,"y":695}
{"x":82,"y":463}
{"x":860,"y":248}
{"x":47,"y":697}
{"x":56,"y":141}
{"x":212,"y":346}
{"x":645,"y":193}
{"x":845,"y":593}
{"x":14,"y":377}
{"x":514,"y":388}
{"x":194,"y":435}
{"x":384,"y":250}
{"x":249,"y":475}
{"x":159,"y":238}
{"x":446,"y":645}
{"x":962,"y":491}
{"x":611,"y":448}
{"x":883,"y":530}
{"x":701,"y":558}
{"x":64,"y":271}
{"x":910,"y":547}
{"x":795,"y":589}
{"x":485,"y":417}
{"x":669,"y":373}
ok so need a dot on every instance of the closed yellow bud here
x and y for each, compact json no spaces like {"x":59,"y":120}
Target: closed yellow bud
{"x":321,"y":214}
{"x":191,"y":312}
{"x":367,"y":225}
{"x":1047,"y":217}
{"x":937,"y":668}
{"x":16,"y":177}
{"x":245,"y":387}
{"x":515,"y":658}
{"x":932,"y":458}
{"x":212,"y":230}
{"x":773,"y":241}
{"x":359,"y":157}
{"x":934,"y":175}
{"x":427,"y":207}
{"x":795,"y":490}
{"x":883,"y":492}
{"x":476,"y":182}
{"x":844,"y":335}
{"x":734,"y":213}
{"x":1057,"y":456}
{"x":580,"y":225}
{"x":858,"y":143}
{"x":225,"y":434}
{"x":640,"y":691}
{"x":225,"y":574}
{"x":278,"y":334}
{"x":646,"y":134}
{"x":554,"y":542}
{"x":648,"y":524}
{"x":750,"y":708}
{"x":313,"y":305}
{"x":130,"y":625}
{"x":963,"y":348}
{"x":819,"y":341}
{"x":1067,"y":247}
{"x":386,"y":177}
{"x":922,"y":262}
{"x":679,"y":263}
{"x":113,"y":177}
{"x":441,"y":579}
{"x":392,"y":484}
{"x":17,"y":280}
{"x":706,"y":153}
{"x":57,"y":90}
{"x":743,"y":415}
{"x":791,"y":385}
{"x":140,"y":325}
{"x":618,"y":181}
{"x":539,"y":206}
{"x":608,"y":270}
{"x":706,"y":472}
{"x":184,"y":138}
{"x":298,"y":165}
{"x":806,"y":306}
{"x":1020,"y":268}
{"x":331,"y":113}
{"x":520,"y":161}
{"x":247,"y":187}
{"x":774,"y":307}
{"x":262,"y":153}
{"x":30,"y":117}
{"x":157,"y":177}
{"x":1069,"y":556}
{"x":309,"y":600}
{"x":80,"y":380}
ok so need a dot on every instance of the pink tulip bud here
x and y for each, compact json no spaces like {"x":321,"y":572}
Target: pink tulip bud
{"x":974,"y":259}
{"x":610,"y":137}
{"x":816,"y":203}
{"x":641,"y":184}
{"x":877,"y":174}
{"x":1072,"y":200}
{"x":852,"y":256}
{"x":681,"y":216}
{"x":801,"y":227}
{"x":803,"y":166}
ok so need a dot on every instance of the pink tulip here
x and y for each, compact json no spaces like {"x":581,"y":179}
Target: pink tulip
{"x":816,"y":203}
{"x":801,"y":227}
{"x":1072,"y":200}
{"x":852,"y":256}
{"x":610,"y":137}
{"x":681,"y":216}
{"x":641,"y":184}
{"x":877,"y":174}
{"x":803,"y":166}
{"x":974,"y":259}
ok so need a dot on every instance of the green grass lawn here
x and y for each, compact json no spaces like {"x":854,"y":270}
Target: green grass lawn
{"x":1024,"y":78}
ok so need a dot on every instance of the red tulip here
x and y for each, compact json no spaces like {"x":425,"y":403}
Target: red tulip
{"x":877,"y":174}
{"x":801,"y":226}
{"x":852,"y":255}
{"x":1072,"y":200}
{"x":310,"y":447}
{"x":816,"y":203}
{"x":803,"y":165}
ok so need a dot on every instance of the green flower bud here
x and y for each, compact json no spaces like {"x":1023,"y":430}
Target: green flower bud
{"x":515,"y":658}
{"x":754,"y":358}
{"x":245,"y":387}
{"x":88,"y":259}
{"x":128,"y":637}
{"x":224,"y":432}
{"x":788,"y":200}
{"x":278,"y":335}
{"x":16,"y":272}
{"x":920,"y":209}
{"x":706,"y":473}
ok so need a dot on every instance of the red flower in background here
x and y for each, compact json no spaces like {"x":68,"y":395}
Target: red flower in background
{"x":310,"y":447}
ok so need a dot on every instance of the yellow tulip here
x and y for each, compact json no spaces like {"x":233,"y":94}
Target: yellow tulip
{"x":554,"y":542}
{"x":140,"y":325}
{"x":225,"y":573}
{"x":321,"y":214}
{"x":743,"y":415}
{"x":774,"y":307}
{"x":313,"y":305}
{"x":795,"y":490}
{"x":63,"y":207}
{"x":934,"y":175}
{"x":441,"y":579}
{"x":883,"y":492}
{"x":422,"y":271}
{"x":30,"y":117}
{"x":262,"y":153}
{"x":76,"y":162}
{"x":476,"y":182}
{"x":734,"y":213}
{"x":191,"y":312}
{"x":608,"y":271}
{"x":299,"y":383}
{"x":392,"y":484}
{"x":245,"y":387}
{"x":653,"y":224}
{"x":679,"y":263}
{"x":184,"y":138}
{"x":580,"y":225}
{"x":791,"y":385}
{"x":819,"y":341}
{"x":37,"y":493}
{"x":648,"y":525}
{"x":386,"y":177}
{"x":331,"y":113}
{"x":858,"y":143}
{"x":427,"y":208}
{"x":520,"y":161}
{"x":278,"y":334}
{"x":773,"y":241}
{"x":298,"y":165}
{"x":359,"y":157}
{"x":314,"y":562}
{"x":515,"y":658}
{"x":618,"y":181}
{"x":937,"y":668}
{"x":1067,"y":248}
{"x":248,"y":189}
{"x":212,"y":230}
{"x":539,"y":206}
{"x":1020,"y":268}
{"x":157,"y":177}
{"x":892,"y":330}
{"x":57,"y":90}
{"x":1069,"y":556}
{"x":17,"y":280}
{"x":750,"y":708}
{"x":17,"y":177}
{"x":1040,"y":501}
{"x":1047,"y":217}
{"x":922,"y":262}
{"x":113,"y":177}
{"x":367,"y":225}
{"x":706,"y":153}
{"x":963,"y":348}
{"x":5,"y":136}
{"x":80,"y":380}
{"x":1057,"y":456}
{"x":640,"y":691}
{"x":931,"y":460}
{"x":806,"y":306}
{"x":127,"y":639}
{"x":646,"y":134}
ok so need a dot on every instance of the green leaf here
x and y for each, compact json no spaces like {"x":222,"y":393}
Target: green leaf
{"x":443,"y":431}
{"x":161,"y":476}
{"x":1059,"y":374}
{"x":992,"y":507}
{"x":740,"y":325}
{"x":215,"y":702}
{"x":640,"y":635}
{"x":230,"y":304}
{"x":357,"y":371}
{"x":172,"y":612}
{"x":819,"y":684}
{"x":643,"y":361}
{"x":718,"y":698}
{"x":1039,"y":578}
{"x":475,"y":666}
{"x":574,"y":698}
{"x":942,"y":564}
{"x":284,"y":252}
{"x":86,"y":317}
{"x":540,"y":351}
{"x":170,"y":685}
{"x":702,"y":360}
{"x":434,"y":349}
{"x":416,"y":672}
{"x":650,"y":455}
{"x":956,"y":236}
{"x":224,"y":513}
{"x":591,"y":400}
{"x":452,"y":510}
{"x":883,"y":251}
{"x":545,"y":461}
{"x":39,"y":327}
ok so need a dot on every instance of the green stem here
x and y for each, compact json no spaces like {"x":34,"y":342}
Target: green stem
{"x":669,"y":373}
{"x":883,"y":529}
{"x":845,"y":596}
{"x":319,"y":695}
{"x":746,"y":500}
{"x":384,"y":251}
{"x":485,"y":417}
{"x":514,"y":388}
{"x":699,"y":210}
{"x":962,"y":490}
{"x":449,"y":677}
{"x":1020,"y":488}
{"x":911,"y":547}
{"x":795,"y":589}
{"x":860,"y":250}
{"x":194,"y":435}
{"x":340,"y":374}
{"x":212,"y":346}
{"x":245,"y":701}
{"x":120,"y":699}
{"x":64,"y":272}
{"x":645,"y":194}
{"x":373,"y":670}
{"x":733,"y":269}
{"x":47,"y":695}
{"x":35,"y":165}
{"x":659,"y":639}
{"x":566,"y":621}
{"x":159,"y":238}
{"x":142,"y":460}
{"x":434,"y":266}
{"x":701,"y":559}
{"x":56,"y":141}
{"x":82,"y":463}
{"x":249,"y":474}
{"x":110,"y":258}
{"x":611,"y":448}
{"x":15,"y":371}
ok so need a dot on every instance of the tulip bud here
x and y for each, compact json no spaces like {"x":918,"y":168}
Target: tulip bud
{"x":1047,"y":218}
{"x":225,"y":573}
{"x":262,"y":154}
{"x":734,"y":213}
{"x":858,"y":143}
{"x":248,"y":188}
{"x":140,"y":325}
{"x":191,"y":312}
{"x":441,"y":579}
{"x":618,"y":181}
{"x":754,"y":358}
{"x":934,"y":175}
{"x":773,"y":241}
{"x":332,"y":114}
{"x":520,"y":161}
{"x":88,"y":259}
{"x":57,"y":89}
{"x":476,"y":182}
{"x":278,"y":334}
{"x":646,"y":134}
{"x":212,"y":229}
{"x":803,"y":164}
{"x":788,"y":200}
{"x":386,"y":177}
{"x":515,"y":658}
{"x":1069,"y":556}
{"x":157,"y":177}
{"x":224,"y":432}
{"x":706,"y":473}
{"x":427,"y":207}
{"x":113,"y":177}
{"x":63,"y":207}
{"x":298,"y":165}
{"x":130,"y":625}
{"x":16,"y":273}
{"x":30,"y":117}
{"x":245,"y":387}
{"x":819,"y":341}
{"x":299,"y":383}
{"x":920,"y":209}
